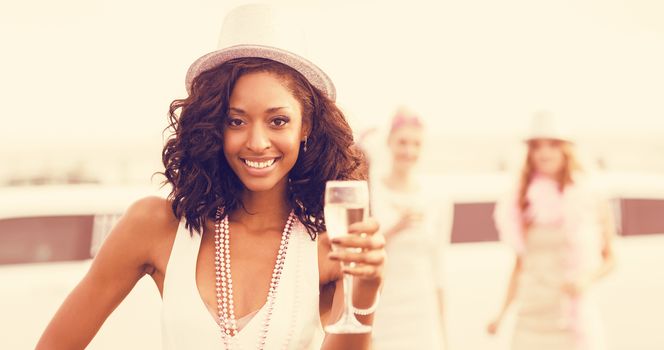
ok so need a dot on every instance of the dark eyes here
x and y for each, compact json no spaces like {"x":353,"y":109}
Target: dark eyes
{"x":277,"y":122}
{"x":235,"y":122}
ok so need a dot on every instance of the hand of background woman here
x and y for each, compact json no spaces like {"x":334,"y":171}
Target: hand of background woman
{"x":493,"y":326}
{"x":576,"y":288}
{"x":407,"y":219}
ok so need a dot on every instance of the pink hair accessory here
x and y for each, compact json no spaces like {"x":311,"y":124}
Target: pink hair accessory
{"x":403,"y":118}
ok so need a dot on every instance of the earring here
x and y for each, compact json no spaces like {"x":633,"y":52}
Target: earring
{"x":305,"y":143}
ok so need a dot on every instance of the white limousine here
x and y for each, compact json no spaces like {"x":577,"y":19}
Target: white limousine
{"x":48,"y":236}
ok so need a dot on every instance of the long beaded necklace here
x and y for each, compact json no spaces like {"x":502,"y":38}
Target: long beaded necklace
{"x":224,"y":282}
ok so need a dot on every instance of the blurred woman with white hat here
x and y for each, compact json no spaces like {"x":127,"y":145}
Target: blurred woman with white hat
{"x":238,"y":251}
{"x":561,"y":228}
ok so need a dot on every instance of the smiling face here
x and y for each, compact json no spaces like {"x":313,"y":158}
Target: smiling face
{"x":263,"y":131}
{"x":547,"y":156}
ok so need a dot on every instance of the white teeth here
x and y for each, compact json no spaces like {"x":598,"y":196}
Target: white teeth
{"x":259,"y":165}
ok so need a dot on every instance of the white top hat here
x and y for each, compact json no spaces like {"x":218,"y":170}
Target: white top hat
{"x":545,"y":126}
{"x":264,"y":31}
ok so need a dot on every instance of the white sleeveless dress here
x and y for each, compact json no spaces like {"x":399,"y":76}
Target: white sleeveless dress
{"x":408,"y":316}
{"x":187,"y":323}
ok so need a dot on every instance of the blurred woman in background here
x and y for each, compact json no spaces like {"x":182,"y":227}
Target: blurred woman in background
{"x":410,"y":315}
{"x":561,"y":230}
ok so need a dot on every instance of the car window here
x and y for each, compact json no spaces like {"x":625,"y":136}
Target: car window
{"x":641,"y":217}
{"x":39,"y":239}
{"x":473,"y":222}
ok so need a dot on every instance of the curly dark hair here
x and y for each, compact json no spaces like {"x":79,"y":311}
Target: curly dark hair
{"x":199,"y":174}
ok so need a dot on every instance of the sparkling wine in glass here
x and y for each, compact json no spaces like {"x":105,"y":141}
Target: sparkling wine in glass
{"x":346,"y":202}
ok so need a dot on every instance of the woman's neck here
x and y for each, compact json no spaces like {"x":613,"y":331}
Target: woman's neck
{"x":399,"y":178}
{"x":263,"y":209}
{"x":546,"y":176}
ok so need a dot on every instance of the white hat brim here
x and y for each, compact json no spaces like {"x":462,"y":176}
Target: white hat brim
{"x":310,"y":71}
{"x":549,"y":137}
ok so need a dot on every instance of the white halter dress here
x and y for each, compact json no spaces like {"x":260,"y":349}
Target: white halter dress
{"x":295,"y":323}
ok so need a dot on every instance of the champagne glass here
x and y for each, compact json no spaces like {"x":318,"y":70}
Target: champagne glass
{"x":346,"y":202}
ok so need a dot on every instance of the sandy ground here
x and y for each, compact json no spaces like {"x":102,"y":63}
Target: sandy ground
{"x":631,"y":300}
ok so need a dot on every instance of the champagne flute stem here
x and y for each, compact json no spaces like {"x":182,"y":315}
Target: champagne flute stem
{"x":348,"y":295}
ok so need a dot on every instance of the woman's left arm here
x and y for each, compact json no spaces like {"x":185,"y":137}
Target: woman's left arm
{"x":368,"y":277}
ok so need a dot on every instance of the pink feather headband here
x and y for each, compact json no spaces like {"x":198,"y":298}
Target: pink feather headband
{"x":402,"y":119}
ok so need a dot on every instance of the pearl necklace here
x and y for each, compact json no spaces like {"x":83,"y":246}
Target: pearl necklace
{"x":224,"y":282}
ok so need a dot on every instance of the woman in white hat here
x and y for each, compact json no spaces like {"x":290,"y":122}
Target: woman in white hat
{"x":238,"y":251}
{"x":416,"y":225}
{"x":561,"y":229}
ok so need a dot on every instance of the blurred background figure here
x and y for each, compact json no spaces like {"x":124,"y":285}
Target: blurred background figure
{"x":561,"y":229}
{"x":410,"y":315}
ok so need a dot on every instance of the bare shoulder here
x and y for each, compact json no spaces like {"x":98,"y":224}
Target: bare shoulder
{"x":146,"y":230}
{"x":148,"y":220}
{"x":153,"y":217}
{"x":151,"y":211}
{"x":329,"y":271}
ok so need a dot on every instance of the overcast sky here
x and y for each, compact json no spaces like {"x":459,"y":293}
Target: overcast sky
{"x":109,"y":69}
